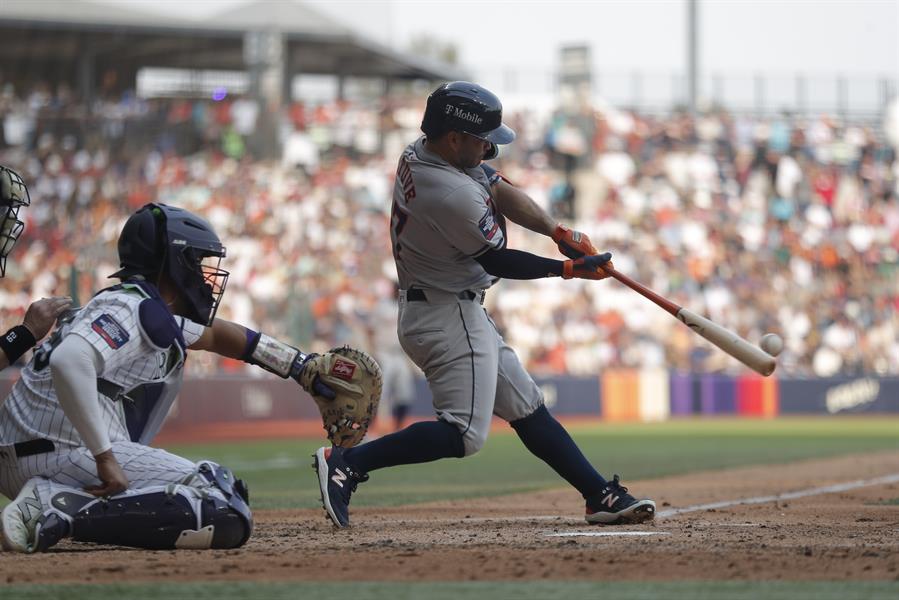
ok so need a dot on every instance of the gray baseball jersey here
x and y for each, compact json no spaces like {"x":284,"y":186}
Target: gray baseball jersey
{"x":147,"y":376}
{"x":443,"y":217}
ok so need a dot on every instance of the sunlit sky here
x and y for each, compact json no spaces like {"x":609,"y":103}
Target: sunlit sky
{"x":811,"y":36}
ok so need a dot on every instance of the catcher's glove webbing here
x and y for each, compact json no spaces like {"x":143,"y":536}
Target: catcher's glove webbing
{"x":356,"y":380}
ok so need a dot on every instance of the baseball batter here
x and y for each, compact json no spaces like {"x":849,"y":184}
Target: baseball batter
{"x":399,"y":377}
{"x":75,"y":427}
{"x":42,"y":313}
{"x":449,"y":244}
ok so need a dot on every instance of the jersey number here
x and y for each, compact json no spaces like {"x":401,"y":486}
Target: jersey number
{"x":398,"y":220}
{"x":398,"y":216}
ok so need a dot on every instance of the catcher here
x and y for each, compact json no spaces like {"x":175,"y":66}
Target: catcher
{"x":75,"y":430}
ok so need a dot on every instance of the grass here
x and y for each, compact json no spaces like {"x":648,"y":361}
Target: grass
{"x":279,"y":475}
{"x":544,"y":590}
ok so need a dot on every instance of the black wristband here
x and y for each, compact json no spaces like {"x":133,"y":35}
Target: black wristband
{"x":16,"y":342}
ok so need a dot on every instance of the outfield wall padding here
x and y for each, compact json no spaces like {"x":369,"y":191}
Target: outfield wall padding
{"x":616,"y":395}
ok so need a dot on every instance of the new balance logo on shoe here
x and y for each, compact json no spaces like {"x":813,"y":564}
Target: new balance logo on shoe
{"x":31,"y":507}
{"x":610,"y":500}
{"x":338,"y":477}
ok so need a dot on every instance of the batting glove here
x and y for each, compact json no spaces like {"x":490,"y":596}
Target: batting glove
{"x":587,"y":267}
{"x":572,"y":244}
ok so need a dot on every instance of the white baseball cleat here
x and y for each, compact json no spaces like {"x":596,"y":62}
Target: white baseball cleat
{"x":19,"y":519}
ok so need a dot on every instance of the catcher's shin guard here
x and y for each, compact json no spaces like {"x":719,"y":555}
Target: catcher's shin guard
{"x":174,"y":516}
{"x":209,"y":511}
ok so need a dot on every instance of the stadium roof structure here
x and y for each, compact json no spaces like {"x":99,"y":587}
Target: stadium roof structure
{"x":69,"y":37}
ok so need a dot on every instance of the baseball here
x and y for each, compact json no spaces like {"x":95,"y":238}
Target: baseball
{"x":771,"y":343}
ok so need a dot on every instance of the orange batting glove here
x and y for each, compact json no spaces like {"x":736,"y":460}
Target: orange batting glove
{"x":572,"y":244}
{"x":587,"y":267}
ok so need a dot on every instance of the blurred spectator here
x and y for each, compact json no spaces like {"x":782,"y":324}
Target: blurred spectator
{"x":789,"y":225}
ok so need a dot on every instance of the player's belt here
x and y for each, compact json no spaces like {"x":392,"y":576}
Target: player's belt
{"x":32,"y":447}
{"x":417,"y":295}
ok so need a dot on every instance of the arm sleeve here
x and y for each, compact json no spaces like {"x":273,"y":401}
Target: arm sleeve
{"x":515,"y":264}
{"x":74,"y":365}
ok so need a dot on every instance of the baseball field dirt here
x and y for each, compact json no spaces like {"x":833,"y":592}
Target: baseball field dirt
{"x":851,"y":534}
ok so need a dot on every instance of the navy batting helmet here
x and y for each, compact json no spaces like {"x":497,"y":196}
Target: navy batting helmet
{"x":13,"y":196}
{"x":161,"y":239}
{"x":467,"y":107}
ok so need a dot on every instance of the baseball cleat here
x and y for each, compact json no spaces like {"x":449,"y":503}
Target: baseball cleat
{"x":614,"y":506}
{"x":337,"y":482}
{"x":20,"y":518}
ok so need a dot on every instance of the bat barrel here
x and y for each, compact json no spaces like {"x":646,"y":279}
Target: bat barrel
{"x":750,"y":355}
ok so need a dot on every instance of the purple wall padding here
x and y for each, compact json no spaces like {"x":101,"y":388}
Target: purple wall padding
{"x":718,"y":395}
{"x":681,"y":394}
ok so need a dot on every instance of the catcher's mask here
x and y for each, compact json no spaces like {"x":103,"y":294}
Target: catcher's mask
{"x":160,"y":239}
{"x":13,"y":196}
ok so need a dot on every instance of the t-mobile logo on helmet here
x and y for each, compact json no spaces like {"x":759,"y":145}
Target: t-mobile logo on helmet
{"x":464,"y":114}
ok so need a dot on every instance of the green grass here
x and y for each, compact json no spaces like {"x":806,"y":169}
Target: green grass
{"x":279,"y":475}
{"x":544,"y":590}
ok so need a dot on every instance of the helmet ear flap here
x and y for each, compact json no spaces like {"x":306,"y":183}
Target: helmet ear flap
{"x":142,"y":244}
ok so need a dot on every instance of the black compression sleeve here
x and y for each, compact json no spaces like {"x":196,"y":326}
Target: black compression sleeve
{"x":515,"y":264}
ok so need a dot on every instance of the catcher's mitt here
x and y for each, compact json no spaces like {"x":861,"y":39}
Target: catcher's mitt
{"x":356,"y":380}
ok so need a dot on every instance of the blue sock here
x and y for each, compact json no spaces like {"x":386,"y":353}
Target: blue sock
{"x":547,"y":440}
{"x":417,"y":443}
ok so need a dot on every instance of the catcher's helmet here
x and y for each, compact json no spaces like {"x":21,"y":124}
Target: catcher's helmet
{"x":13,"y":196}
{"x":161,"y":239}
{"x":467,"y":107}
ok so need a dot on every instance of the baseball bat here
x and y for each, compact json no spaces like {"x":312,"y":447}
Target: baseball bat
{"x":750,"y":355}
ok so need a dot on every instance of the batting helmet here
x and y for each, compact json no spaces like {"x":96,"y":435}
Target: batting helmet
{"x":13,"y":196}
{"x":161,"y":239}
{"x":470,"y":108}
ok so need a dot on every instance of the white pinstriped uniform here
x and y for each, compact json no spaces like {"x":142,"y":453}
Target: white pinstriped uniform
{"x":110,"y":323}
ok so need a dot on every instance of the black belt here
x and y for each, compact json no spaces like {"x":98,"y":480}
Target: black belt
{"x":417,"y":295}
{"x":32,"y":447}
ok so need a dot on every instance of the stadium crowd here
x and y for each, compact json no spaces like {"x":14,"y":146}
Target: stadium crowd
{"x":780,"y":224}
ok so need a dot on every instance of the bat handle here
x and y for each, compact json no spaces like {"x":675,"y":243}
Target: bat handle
{"x":641,"y":289}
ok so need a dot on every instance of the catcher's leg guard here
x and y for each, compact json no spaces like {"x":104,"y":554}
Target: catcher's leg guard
{"x":209,"y":511}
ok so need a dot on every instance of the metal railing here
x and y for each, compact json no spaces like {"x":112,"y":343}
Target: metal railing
{"x":847,"y":96}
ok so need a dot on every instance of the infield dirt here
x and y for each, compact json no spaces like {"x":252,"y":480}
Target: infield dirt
{"x":851,"y":535}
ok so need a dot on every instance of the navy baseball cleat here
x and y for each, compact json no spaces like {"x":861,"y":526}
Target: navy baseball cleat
{"x":614,"y":506}
{"x":337,"y":481}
